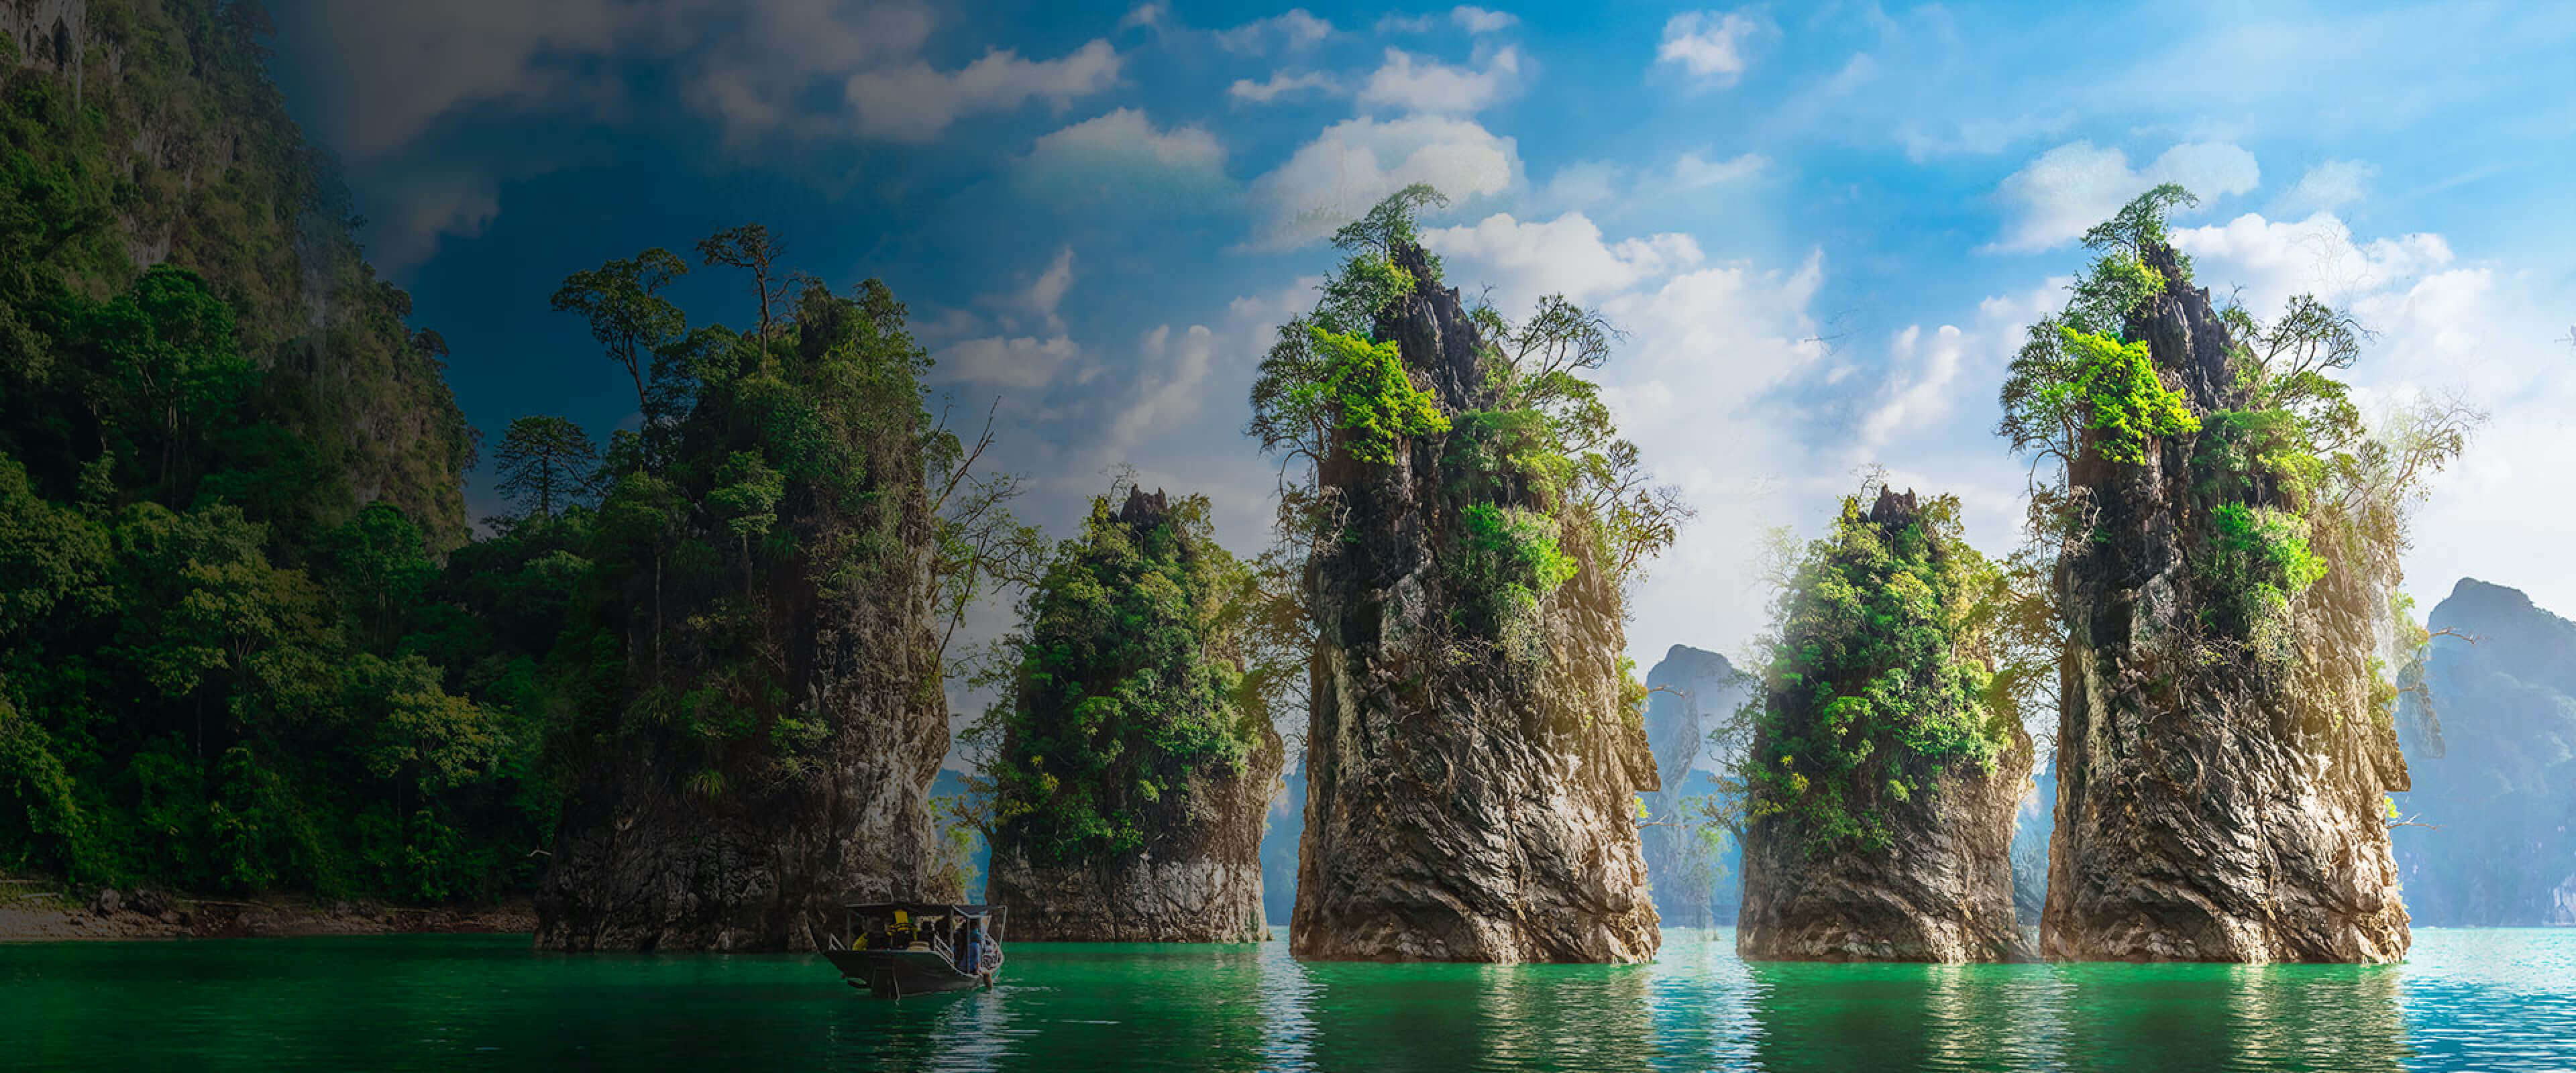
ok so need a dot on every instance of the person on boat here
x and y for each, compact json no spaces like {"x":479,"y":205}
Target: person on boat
{"x":969,"y":944}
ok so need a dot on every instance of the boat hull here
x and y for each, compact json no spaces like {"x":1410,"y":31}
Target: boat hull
{"x":896,"y":973}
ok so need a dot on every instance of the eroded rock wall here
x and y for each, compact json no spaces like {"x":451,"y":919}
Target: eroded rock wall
{"x":1462,"y":805}
{"x":2212,"y":805}
{"x":1200,"y":882}
{"x":1942,"y":889}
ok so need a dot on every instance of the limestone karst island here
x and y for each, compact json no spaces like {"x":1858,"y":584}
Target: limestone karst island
{"x":995,"y":535}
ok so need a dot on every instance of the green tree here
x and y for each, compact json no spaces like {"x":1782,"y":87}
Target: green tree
{"x":167,"y":349}
{"x":752,"y":248}
{"x":546,"y":463}
{"x":1124,"y":687}
{"x":627,"y":313}
{"x":746,"y":498}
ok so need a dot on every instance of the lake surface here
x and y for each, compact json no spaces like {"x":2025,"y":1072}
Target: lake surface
{"x":2469,"y":1000}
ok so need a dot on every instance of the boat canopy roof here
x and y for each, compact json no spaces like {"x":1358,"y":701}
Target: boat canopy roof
{"x":922,"y":908}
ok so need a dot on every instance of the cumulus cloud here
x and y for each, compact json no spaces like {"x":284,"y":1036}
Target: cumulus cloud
{"x":1567,"y":255}
{"x":2444,"y":328}
{"x":2274,"y":259}
{"x":2329,"y":186}
{"x":1694,"y":382}
{"x":1695,"y":387}
{"x":1407,"y":82}
{"x":427,"y":210}
{"x":1144,"y":15}
{"x":1177,"y":367}
{"x":916,"y":102}
{"x":2074,"y":186}
{"x":1477,"y":20}
{"x":1583,"y":184}
{"x":1296,"y":30}
{"x":1358,"y":162}
{"x":1707,"y":45}
{"x":1124,"y":156}
{"x":996,"y":361}
{"x":1282,"y":84}
{"x":757,"y":66}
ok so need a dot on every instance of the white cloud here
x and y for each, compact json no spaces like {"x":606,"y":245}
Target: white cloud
{"x":1978,"y":135}
{"x":1122,"y":154}
{"x":2329,"y":186}
{"x":1144,"y":15}
{"x":1709,"y":45}
{"x":915,"y":102}
{"x":428,"y":210}
{"x":1693,"y":172}
{"x":1178,"y":369}
{"x":1294,"y":31}
{"x":1477,"y":20}
{"x":2074,"y":186}
{"x":1045,"y":295}
{"x":1693,"y":387}
{"x":407,"y":64}
{"x":1282,"y":84}
{"x":1005,"y":362}
{"x":1582,"y":184}
{"x":1415,"y":84}
{"x":1357,"y":162}
{"x":757,"y":81}
{"x":1523,"y":260}
{"x":2490,"y":336}
{"x":2274,"y":259}
{"x":1921,"y":374}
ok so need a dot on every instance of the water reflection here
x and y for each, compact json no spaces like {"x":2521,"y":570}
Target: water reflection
{"x":2230,"y":1017}
{"x":1930,"y":1017}
{"x":1481,"y":1017}
{"x":2478,"y":1001}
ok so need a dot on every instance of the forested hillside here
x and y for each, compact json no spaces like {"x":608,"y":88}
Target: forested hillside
{"x":246,"y":644}
{"x":226,"y":463}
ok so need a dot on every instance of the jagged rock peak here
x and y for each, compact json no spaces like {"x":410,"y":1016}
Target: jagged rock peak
{"x":1142,"y":510}
{"x":1894,"y":510}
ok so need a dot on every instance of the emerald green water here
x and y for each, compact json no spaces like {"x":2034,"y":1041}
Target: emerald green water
{"x":2468,"y":1000}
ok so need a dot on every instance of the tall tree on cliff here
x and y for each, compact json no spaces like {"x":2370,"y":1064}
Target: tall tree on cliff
{"x":755,"y":670}
{"x":545,"y":463}
{"x":2227,"y":527}
{"x":1468,"y":515}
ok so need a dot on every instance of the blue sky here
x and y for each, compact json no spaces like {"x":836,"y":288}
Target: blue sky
{"x":1822,"y":226}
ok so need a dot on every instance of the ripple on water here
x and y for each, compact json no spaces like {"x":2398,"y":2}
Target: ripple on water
{"x":2468,"y":1000}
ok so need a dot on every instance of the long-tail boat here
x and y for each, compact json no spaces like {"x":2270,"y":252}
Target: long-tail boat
{"x":912,"y":948}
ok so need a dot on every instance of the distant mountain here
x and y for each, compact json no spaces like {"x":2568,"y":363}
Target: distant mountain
{"x":2493,"y":760}
{"x":1279,"y":847}
{"x":951,"y":784}
{"x":1691,"y":692}
{"x":2031,"y":830}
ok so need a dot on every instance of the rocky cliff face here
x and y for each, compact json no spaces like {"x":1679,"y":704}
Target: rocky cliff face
{"x":2215,"y":803}
{"x":1934,"y":881}
{"x":1465,"y":803}
{"x":644,"y":863}
{"x":1131,"y":675}
{"x":1197,"y":883}
{"x":1691,"y":691}
{"x":764,"y":754}
{"x":2495,"y":777}
{"x":192,"y":161}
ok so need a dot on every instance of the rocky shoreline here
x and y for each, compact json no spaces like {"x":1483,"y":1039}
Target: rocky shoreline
{"x":36,"y":910}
